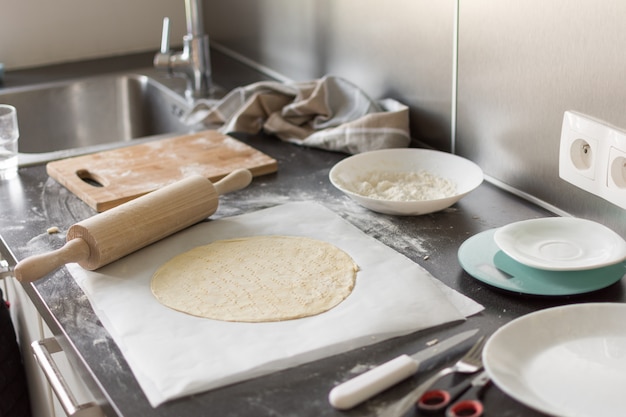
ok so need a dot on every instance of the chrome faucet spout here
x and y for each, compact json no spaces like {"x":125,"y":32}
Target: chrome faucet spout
{"x":193,"y":61}
{"x":193,"y":15}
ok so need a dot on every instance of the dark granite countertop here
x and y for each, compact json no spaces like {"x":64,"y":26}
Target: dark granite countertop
{"x":33,"y":202}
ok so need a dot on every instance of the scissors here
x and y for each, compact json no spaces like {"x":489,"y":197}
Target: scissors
{"x":467,"y":392}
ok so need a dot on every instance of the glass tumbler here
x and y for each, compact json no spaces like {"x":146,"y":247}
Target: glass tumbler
{"x":9,"y":133}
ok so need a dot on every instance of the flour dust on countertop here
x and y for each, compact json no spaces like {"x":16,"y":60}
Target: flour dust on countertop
{"x":382,"y":227}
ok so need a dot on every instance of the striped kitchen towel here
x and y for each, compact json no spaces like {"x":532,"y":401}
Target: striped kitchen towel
{"x":329,"y":113}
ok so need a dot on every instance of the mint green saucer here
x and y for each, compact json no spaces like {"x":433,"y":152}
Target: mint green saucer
{"x":481,"y":257}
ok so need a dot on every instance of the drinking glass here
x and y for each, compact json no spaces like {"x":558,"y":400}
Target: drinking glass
{"x":9,"y":133}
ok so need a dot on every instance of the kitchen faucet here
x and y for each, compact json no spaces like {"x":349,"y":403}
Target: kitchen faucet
{"x":193,"y":61}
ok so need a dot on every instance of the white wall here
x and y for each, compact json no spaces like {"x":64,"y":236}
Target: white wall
{"x":392,"y":48}
{"x":38,"y":32}
{"x":522,"y":64}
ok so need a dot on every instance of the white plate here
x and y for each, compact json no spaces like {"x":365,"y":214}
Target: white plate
{"x":465,"y":174}
{"x":561,"y":243}
{"x":567,"y":361}
{"x":481,"y":258}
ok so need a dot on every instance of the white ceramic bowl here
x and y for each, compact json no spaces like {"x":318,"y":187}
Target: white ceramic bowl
{"x":465,"y":174}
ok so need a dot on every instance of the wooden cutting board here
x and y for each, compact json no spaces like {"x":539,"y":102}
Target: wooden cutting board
{"x":107,"y":179}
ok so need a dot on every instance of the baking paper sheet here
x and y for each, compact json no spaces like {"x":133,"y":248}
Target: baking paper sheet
{"x":173,"y":354}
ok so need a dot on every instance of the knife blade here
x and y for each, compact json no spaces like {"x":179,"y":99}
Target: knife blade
{"x":360,"y":388}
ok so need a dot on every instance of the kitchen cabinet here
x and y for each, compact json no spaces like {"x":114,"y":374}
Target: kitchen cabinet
{"x":31,"y":328}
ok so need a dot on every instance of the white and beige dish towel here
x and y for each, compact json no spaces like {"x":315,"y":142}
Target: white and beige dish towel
{"x":329,"y":113}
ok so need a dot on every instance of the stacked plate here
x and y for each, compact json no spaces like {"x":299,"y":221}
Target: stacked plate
{"x":563,"y":361}
{"x":552,"y":256}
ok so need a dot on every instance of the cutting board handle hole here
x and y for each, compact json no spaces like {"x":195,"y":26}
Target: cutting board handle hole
{"x":90,"y":179}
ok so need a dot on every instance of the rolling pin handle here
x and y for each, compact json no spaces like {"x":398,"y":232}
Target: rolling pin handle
{"x":234,"y":181}
{"x":37,"y":266}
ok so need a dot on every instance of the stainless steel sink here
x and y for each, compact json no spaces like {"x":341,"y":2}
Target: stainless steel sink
{"x":67,"y":118}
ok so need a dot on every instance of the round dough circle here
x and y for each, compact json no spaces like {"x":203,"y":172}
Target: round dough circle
{"x":256,"y":279}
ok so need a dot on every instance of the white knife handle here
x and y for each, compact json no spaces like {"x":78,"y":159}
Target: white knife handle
{"x":365,"y":386}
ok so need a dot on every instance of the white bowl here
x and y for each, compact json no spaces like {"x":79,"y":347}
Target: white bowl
{"x":465,"y":174}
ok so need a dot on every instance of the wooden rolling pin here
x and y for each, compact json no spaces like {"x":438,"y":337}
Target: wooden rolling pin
{"x":115,"y":233}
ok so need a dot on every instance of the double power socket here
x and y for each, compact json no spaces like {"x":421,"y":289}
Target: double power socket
{"x":592,"y":156}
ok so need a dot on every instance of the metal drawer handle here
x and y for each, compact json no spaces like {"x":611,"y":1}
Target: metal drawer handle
{"x":43,"y":350}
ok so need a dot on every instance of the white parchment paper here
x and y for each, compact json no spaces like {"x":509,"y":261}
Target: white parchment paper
{"x":173,"y":354}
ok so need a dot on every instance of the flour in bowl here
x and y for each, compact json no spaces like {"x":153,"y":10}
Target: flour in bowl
{"x":402,"y":186}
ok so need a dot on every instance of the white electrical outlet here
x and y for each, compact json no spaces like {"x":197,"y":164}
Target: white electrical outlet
{"x":617,"y":170}
{"x":592,"y":156}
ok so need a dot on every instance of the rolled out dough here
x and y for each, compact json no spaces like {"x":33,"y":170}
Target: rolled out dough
{"x":256,"y":279}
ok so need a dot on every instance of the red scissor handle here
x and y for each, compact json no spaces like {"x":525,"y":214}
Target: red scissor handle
{"x":434,"y":400}
{"x":469,"y":405}
{"x":466,"y":408}
{"x":438,"y":399}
